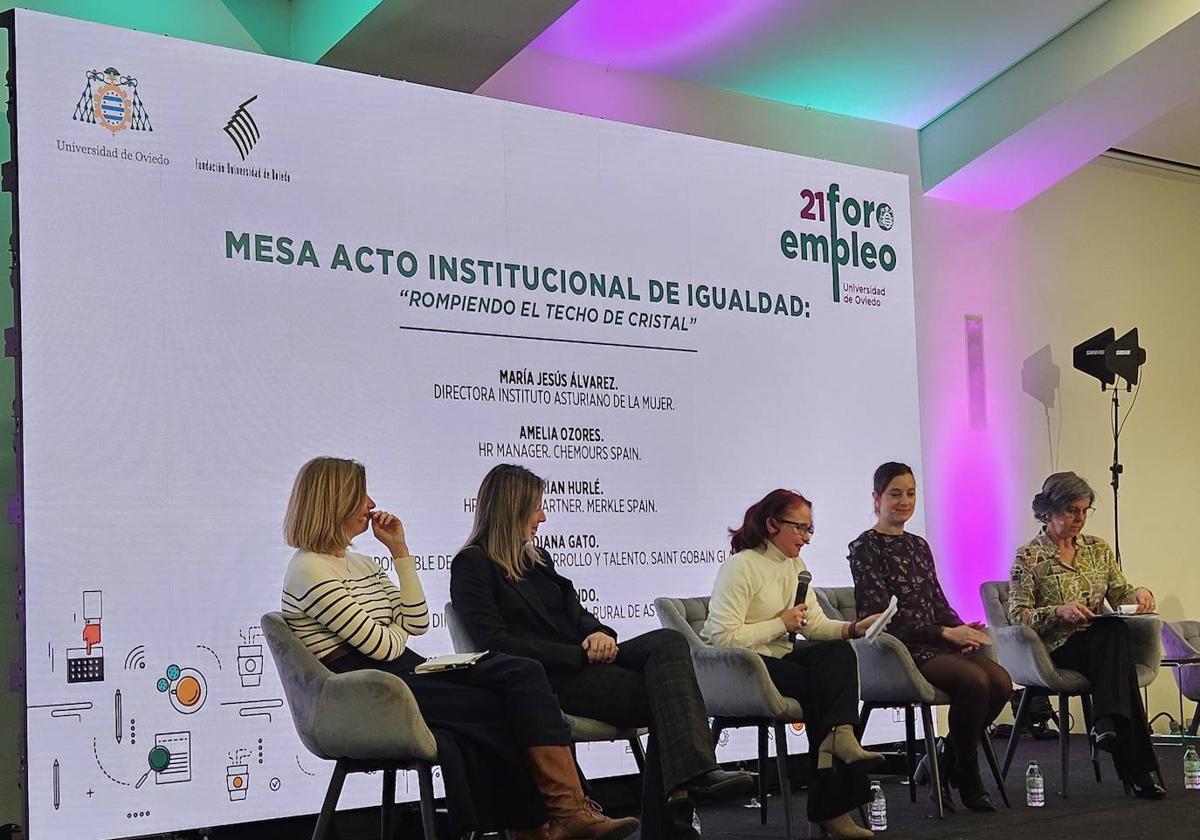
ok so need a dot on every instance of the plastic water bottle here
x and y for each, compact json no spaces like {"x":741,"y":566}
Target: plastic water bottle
{"x":1035,"y":788}
{"x":878,"y":812}
{"x":1191,"y":769}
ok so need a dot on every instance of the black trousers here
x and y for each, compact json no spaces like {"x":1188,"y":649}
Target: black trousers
{"x":651,"y":683}
{"x":823,"y":677}
{"x":482,"y":719}
{"x":1101,"y":652}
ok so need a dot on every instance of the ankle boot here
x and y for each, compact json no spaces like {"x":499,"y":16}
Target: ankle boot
{"x":842,"y":744}
{"x":964,"y":775}
{"x":572,"y":815}
{"x":844,"y":828}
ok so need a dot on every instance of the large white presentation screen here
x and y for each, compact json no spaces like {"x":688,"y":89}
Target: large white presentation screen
{"x":231,"y":263}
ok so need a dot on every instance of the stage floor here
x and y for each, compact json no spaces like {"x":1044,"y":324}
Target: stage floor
{"x":1092,"y":811}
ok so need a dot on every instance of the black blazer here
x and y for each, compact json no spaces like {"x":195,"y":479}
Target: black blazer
{"x":510,"y":617}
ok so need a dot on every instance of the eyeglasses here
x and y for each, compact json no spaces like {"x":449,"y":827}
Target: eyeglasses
{"x":1077,"y":513}
{"x":801,"y":528}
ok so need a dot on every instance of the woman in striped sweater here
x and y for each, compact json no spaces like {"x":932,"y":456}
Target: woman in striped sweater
{"x":502,"y":743}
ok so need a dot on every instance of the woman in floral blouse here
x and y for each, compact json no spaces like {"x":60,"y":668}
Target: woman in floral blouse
{"x":1059,"y":582}
{"x":887,"y":560}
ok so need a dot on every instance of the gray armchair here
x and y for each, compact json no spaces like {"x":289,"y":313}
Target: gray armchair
{"x":363,"y":720}
{"x":584,"y":730}
{"x":737,"y":692}
{"x":1181,"y":640}
{"x":888,"y":678}
{"x":1023,"y":653}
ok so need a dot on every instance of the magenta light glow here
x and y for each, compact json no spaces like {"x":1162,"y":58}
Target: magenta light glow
{"x":657,"y":35}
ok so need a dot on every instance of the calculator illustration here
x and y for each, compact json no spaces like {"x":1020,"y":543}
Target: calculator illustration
{"x":85,"y":667}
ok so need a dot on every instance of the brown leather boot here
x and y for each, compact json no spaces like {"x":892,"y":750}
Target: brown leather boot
{"x":572,"y":815}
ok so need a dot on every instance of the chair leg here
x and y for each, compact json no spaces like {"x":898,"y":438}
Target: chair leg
{"x":935,"y":774}
{"x":387,"y":807}
{"x":717,"y":728}
{"x":785,"y":786}
{"x":910,"y":750}
{"x":990,"y":754}
{"x":762,"y":774}
{"x":1085,"y":700}
{"x":1064,"y":737}
{"x":864,"y":715}
{"x":332,"y":794}
{"x":425,"y":783}
{"x":1015,"y":737}
{"x":639,"y":753}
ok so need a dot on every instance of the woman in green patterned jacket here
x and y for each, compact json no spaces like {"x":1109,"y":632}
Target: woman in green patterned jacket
{"x":1059,"y":581}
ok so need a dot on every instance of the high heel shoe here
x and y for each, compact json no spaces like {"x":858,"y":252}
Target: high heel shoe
{"x":842,"y":744}
{"x":844,"y":828}
{"x":922,"y":775}
{"x":964,"y":775}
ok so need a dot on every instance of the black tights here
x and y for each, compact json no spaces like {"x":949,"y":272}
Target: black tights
{"x":978,"y":690}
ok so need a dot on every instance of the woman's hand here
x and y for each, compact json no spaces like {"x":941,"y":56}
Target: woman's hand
{"x":389,"y":530}
{"x":968,"y":637}
{"x":859,"y":628}
{"x":600,"y":647}
{"x":793,"y":618}
{"x":1144,"y":599}
{"x":1074,"y":613}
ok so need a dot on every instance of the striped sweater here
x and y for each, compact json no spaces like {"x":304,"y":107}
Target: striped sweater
{"x":331,"y":600}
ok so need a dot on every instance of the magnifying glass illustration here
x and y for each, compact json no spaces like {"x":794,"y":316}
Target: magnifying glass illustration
{"x":158,"y":759}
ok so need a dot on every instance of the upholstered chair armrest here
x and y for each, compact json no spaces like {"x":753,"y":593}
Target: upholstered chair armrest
{"x":887,"y":673}
{"x":371,"y":714}
{"x":1023,"y":654}
{"x":735,"y":683}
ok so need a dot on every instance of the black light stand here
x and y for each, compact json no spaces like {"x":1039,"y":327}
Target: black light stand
{"x":1116,"y":469}
{"x":1107,"y":357}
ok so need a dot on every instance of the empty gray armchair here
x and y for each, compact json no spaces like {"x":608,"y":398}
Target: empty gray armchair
{"x":584,"y":730}
{"x":1023,"y":653}
{"x":1181,"y":640}
{"x":888,"y":678}
{"x":737,"y":692}
{"x":363,"y":720}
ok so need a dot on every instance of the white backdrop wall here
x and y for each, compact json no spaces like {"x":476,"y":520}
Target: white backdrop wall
{"x":178,"y":366}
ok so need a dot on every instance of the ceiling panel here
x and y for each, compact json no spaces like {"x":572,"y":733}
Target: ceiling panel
{"x":898,"y":62}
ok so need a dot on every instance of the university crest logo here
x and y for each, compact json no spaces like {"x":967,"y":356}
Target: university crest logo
{"x":111,"y":100}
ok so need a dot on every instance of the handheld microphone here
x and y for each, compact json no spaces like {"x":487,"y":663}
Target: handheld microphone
{"x":803,"y":579}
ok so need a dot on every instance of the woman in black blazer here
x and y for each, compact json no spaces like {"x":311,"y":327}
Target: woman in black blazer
{"x":508,"y":594}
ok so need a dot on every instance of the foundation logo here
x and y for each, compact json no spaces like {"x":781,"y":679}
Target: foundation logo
{"x":242,"y":129}
{"x":111,"y":100}
{"x":866,"y":222}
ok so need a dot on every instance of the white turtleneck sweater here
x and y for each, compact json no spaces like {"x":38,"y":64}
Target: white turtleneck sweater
{"x":751,"y":588}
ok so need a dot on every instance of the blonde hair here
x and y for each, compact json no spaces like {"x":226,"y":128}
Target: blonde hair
{"x":326,"y":493}
{"x":507,"y":500}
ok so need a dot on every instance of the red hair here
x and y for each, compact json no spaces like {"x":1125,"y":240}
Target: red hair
{"x":754,"y":533}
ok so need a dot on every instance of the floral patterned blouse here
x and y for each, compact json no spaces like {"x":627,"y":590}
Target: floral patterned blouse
{"x":884,"y":565}
{"x":1040,"y":581}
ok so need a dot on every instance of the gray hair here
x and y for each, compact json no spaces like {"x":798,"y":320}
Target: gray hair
{"x":1058,"y":492}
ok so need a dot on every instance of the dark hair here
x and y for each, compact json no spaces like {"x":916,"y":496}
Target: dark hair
{"x":754,"y":533}
{"x":1058,"y":491}
{"x":888,"y":471}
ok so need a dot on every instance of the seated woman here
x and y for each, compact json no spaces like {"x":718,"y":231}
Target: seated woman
{"x":510,"y":597}
{"x":754,"y":605}
{"x":500,"y":735}
{"x":887,"y":560}
{"x":1058,"y":583}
